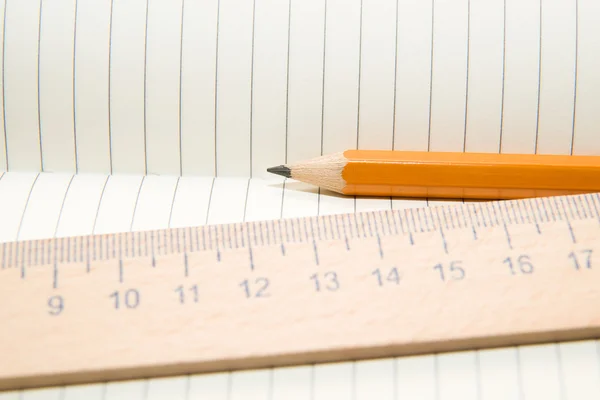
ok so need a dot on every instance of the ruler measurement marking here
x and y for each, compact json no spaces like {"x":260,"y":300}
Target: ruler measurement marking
{"x":220,"y":234}
{"x":152,"y":249}
{"x":444,"y":243}
{"x":423,"y":226}
{"x":250,"y":255}
{"x":55,"y":275}
{"x":592,"y":209}
{"x":520,"y":212}
{"x":593,"y":200}
{"x":87,"y":253}
{"x":352,"y":227}
{"x":508,"y":214}
{"x":228,"y":234}
{"x":10,"y":252}
{"x":470,"y":219}
{"x":460,"y":224}
{"x":493,"y":207}
{"x":23,"y":262}
{"x":362,"y":224}
{"x":268,"y":231}
{"x":412,"y":217}
{"x":196,"y":239}
{"x":451,"y":216}
{"x":574,"y":209}
{"x":323,"y":222}
{"x":561,"y":210}
{"x":254,"y":235}
{"x":287,"y":229}
{"x":345,"y":233}
{"x":583,"y":207}
{"x":185,"y":253}
{"x":368,"y":223}
{"x":478,"y":210}
{"x":185,"y":265}
{"x":533,"y":211}
{"x":314,"y":243}
{"x":68,"y":240}
{"x":378,"y":223}
{"x":29,"y":244}
{"x":554,"y":213}
{"x":508,"y":239}
{"x":281,"y":235}
{"x":171,"y":244}
{"x":548,"y":206}
{"x":387,"y":218}
{"x":572,"y":234}
{"x":385,"y":225}
{"x":121,"y":270}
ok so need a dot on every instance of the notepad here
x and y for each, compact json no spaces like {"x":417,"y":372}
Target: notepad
{"x":141,"y":114}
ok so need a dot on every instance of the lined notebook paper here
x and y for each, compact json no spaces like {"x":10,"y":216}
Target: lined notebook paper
{"x":141,"y":114}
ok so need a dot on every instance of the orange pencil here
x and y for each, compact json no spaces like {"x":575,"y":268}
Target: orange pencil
{"x":447,"y":174}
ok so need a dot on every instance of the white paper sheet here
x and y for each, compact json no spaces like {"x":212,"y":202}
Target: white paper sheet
{"x":230,"y":87}
{"x":187,"y":103}
{"x":64,"y":204}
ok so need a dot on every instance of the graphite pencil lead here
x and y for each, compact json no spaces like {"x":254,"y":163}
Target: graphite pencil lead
{"x":280,"y":170}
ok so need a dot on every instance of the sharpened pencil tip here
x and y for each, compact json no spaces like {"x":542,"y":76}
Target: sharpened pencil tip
{"x":280,"y":170}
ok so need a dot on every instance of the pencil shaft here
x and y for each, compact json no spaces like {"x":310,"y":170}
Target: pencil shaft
{"x":447,"y":174}
{"x":468,"y":175}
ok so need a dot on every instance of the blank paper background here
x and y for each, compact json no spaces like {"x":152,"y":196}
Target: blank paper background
{"x":166,"y":113}
{"x":230,"y":87}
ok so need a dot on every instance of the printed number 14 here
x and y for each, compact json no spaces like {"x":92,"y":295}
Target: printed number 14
{"x":393,"y":276}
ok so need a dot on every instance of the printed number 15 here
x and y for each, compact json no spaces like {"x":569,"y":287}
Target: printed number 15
{"x":454,"y":271}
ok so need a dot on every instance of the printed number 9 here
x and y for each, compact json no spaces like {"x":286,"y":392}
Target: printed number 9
{"x":56,"y":305}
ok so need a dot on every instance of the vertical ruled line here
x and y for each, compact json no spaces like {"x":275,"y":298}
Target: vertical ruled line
{"x":110,"y":39}
{"x":467,"y":73}
{"x":74,"y":89}
{"x":38,"y":90}
{"x":216,"y":88}
{"x":576,"y":71}
{"x":360,"y":40}
{"x":252,"y":88}
{"x":173,"y":200}
{"x":137,"y":199}
{"x":26,"y":205}
{"x":395,"y":85}
{"x":537,"y":124}
{"x":146,"y":89}
{"x":62,"y":205}
{"x":503,"y":79}
{"x":287,"y":82}
{"x":323,"y":79}
{"x":100,"y":203}
{"x":3,"y":86}
{"x":431,"y":74}
{"x":180,"y":90}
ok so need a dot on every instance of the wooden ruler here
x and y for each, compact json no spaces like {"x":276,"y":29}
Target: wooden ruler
{"x":273,"y":293}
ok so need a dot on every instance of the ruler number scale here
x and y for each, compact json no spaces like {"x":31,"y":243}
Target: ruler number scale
{"x":330,"y":288}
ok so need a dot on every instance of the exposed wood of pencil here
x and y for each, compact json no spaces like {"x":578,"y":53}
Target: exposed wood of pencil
{"x":447,"y":174}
